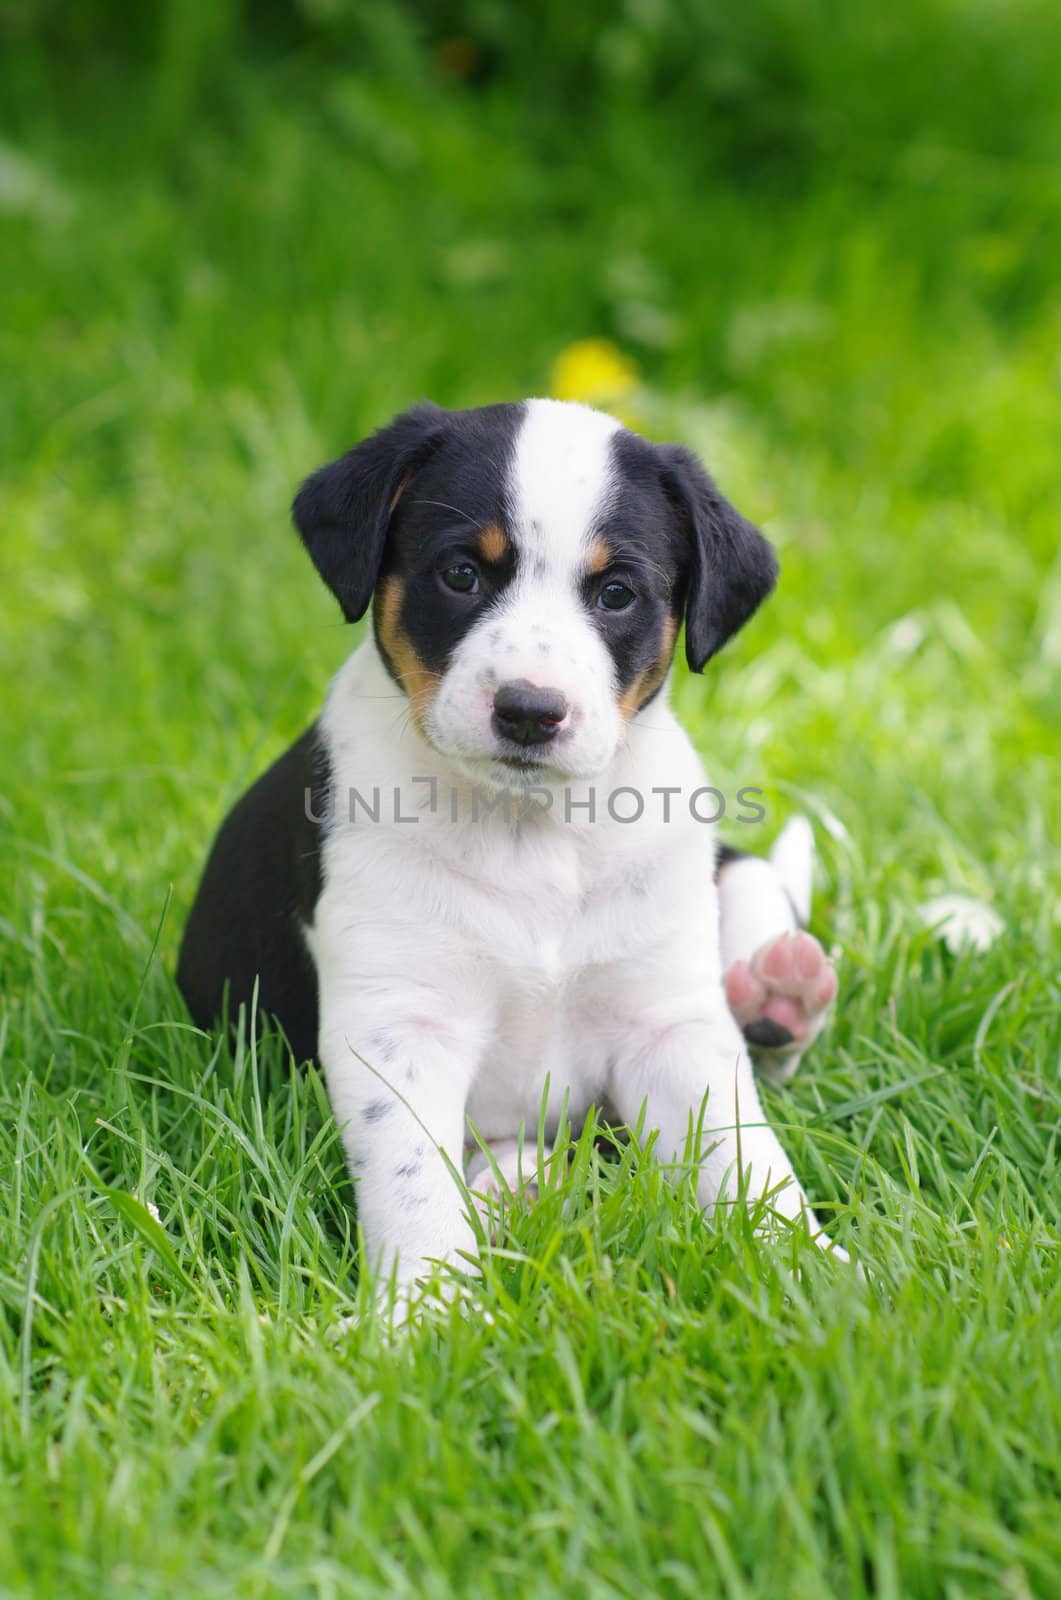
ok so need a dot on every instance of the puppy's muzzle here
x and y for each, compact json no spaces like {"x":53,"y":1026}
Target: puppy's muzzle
{"x":525,"y":714}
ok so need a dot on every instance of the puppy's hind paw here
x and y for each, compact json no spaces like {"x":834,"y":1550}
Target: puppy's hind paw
{"x":780,"y":999}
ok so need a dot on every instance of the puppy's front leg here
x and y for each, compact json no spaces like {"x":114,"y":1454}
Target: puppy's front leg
{"x":669,"y":1068}
{"x":398,"y":1090}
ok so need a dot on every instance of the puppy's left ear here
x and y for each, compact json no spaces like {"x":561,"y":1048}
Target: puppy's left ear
{"x":732,"y":568}
{"x":343,"y":510}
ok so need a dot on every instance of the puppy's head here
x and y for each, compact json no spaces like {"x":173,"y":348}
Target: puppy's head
{"x":531,"y":566}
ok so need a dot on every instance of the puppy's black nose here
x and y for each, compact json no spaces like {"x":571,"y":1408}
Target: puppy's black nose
{"x":526,"y":714}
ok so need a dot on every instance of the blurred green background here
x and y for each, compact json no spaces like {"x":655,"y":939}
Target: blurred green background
{"x":818,"y":240}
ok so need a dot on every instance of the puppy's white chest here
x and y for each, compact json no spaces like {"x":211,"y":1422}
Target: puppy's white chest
{"x":550,"y":980}
{"x":537,"y":1055}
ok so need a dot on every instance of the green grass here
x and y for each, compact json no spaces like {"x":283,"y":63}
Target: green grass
{"x":209,"y":287}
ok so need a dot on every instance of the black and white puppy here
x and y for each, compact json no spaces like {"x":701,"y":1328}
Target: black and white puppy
{"x":483,"y":880}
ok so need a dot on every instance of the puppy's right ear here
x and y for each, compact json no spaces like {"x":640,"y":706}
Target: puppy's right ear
{"x":343,"y":510}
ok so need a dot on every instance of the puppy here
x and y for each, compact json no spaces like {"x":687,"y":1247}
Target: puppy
{"x":483,"y":883}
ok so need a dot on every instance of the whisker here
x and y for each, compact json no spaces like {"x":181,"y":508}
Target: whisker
{"x":447,"y":507}
{"x":656,"y":727}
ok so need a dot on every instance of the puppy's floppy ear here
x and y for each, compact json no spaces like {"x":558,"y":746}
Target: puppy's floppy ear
{"x":732,"y":567}
{"x":343,"y":510}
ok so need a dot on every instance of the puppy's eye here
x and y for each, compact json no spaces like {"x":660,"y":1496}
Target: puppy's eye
{"x":615,"y":597}
{"x":462,"y":578}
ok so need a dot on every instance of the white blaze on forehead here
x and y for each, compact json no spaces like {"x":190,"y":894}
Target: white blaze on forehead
{"x":539,"y":629}
{"x":562,"y":479}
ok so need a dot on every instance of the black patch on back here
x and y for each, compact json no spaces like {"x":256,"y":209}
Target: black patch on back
{"x":260,"y":887}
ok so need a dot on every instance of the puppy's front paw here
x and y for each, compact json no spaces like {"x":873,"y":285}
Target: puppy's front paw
{"x":399,"y":1309}
{"x":780,"y":999}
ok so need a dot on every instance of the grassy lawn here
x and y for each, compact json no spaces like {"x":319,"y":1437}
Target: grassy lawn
{"x":213,"y":281}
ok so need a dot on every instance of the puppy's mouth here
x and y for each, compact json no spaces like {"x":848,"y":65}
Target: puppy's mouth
{"x":521,"y":763}
{"x":514,"y":769}
{"x":520,"y":770}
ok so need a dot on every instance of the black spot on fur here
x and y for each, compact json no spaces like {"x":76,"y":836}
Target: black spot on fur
{"x":376,"y":1110}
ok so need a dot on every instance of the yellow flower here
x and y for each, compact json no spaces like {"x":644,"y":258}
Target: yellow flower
{"x":594,"y":371}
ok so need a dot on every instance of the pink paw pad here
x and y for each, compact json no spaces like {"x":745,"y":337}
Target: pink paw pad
{"x":780,"y":997}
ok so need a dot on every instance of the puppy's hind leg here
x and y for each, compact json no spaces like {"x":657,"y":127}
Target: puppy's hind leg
{"x":778,"y":980}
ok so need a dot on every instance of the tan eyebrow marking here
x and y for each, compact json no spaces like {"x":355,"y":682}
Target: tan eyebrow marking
{"x":492,"y":542}
{"x":599,"y":557}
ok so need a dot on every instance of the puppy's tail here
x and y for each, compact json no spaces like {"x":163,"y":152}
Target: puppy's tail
{"x":792,"y":858}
